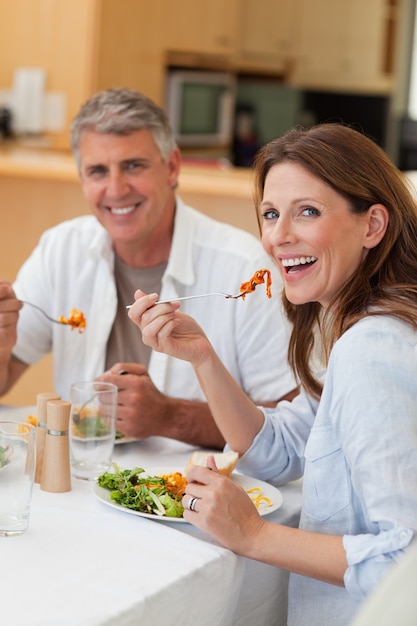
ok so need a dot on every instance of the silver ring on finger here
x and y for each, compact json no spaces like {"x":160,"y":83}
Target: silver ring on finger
{"x":192,"y":502}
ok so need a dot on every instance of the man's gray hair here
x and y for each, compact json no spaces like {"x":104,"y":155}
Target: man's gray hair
{"x":121,"y":112}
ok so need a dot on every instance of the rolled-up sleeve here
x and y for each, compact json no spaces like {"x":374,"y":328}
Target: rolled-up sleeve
{"x":368,"y":557}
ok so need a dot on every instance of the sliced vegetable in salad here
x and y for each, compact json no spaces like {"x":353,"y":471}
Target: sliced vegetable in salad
{"x":135,"y":489}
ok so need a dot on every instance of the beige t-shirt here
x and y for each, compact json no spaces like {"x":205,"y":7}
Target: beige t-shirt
{"x":125,"y":341}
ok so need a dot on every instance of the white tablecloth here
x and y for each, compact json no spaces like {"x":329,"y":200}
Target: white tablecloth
{"x":82,"y":563}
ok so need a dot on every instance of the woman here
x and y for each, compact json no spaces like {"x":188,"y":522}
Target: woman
{"x":339,"y":222}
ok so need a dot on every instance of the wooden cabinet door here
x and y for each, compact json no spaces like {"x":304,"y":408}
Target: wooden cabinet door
{"x":341,"y":45}
{"x":367,"y":47}
{"x":130,"y":46}
{"x":208,"y":27}
{"x":320,"y":38}
{"x":267,"y":33}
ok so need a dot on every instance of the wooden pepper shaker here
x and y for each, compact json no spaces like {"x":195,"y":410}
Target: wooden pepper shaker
{"x":42,"y":399}
{"x":56,"y":473}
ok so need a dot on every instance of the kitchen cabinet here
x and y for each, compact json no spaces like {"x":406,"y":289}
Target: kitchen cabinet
{"x":267,"y":35}
{"x":202,"y":28}
{"x":345,"y":46}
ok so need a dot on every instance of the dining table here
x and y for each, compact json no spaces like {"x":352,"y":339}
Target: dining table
{"x":85,"y":562}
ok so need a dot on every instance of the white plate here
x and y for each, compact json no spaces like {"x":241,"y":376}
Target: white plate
{"x":246,"y":482}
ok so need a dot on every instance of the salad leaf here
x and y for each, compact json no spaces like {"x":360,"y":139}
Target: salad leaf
{"x":173,"y":508}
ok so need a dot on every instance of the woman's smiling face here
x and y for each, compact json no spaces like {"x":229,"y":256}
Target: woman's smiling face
{"x":310,"y":231}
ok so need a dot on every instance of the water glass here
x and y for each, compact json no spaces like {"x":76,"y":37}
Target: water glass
{"x":17,"y":473}
{"x":92,"y":428}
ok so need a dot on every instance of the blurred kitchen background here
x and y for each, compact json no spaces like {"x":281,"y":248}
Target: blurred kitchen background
{"x":289,"y":62}
{"x":232,"y":74}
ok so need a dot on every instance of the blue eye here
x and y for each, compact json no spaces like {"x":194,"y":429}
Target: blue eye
{"x":271,"y":214}
{"x":311,"y":211}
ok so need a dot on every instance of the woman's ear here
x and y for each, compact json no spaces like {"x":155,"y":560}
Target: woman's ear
{"x":378,"y":219}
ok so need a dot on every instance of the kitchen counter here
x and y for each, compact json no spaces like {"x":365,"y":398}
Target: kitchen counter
{"x":211,"y":177}
{"x":41,"y":164}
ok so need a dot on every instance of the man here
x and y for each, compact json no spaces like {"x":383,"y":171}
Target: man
{"x":141,"y":235}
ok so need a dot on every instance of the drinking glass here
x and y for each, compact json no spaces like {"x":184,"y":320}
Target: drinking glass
{"x":17,"y":473}
{"x":92,"y":428}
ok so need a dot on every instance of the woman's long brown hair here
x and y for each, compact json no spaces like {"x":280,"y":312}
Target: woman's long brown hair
{"x":386,"y":281}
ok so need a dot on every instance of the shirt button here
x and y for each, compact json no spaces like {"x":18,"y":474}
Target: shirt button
{"x":403,"y":535}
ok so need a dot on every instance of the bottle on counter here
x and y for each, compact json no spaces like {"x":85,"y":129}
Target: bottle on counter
{"x":246,"y":141}
{"x":56,"y":472}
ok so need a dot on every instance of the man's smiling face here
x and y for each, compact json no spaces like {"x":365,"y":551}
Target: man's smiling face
{"x":129,"y":187}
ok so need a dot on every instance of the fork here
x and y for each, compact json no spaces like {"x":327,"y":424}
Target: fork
{"x":35,"y":306}
{"x":201,"y":295}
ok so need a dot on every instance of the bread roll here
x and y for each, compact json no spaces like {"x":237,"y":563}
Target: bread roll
{"x":225,"y":461}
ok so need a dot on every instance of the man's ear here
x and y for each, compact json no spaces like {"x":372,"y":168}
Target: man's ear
{"x":378,"y":219}
{"x":174,"y":162}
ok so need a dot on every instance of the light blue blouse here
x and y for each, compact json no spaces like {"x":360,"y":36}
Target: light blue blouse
{"x":358,"y":451}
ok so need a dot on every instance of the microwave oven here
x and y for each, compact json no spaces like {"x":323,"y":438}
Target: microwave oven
{"x":200,"y":106}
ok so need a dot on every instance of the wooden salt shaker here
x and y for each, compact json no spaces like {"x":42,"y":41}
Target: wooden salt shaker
{"x":56,"y":473}
{"x":42,"y":399}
